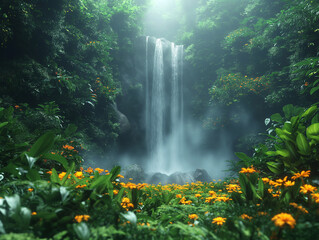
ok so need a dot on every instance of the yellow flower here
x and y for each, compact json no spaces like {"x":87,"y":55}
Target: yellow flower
{"x":198,"y":195}
{"x":301,"y":175}
{"x":81,"y":186}
{"x":30,"y":189}
{"x":120,"y":176}
{"x":193,"y":216}
{"x":232,"y":188}
{"x":99,"y":170}
{"x":34,"y":213}
{"x":307,"y":188}
{"x":115,"y":191}
{"x":262,"y":213}
{"x":78,"y":174}
{"x":61,"y":175}
{"x":302,"y":209}
{"x":289,"y":183}
{"x":125,"y":200}
{"x":282,"y":219}
{"x":315,"y":196}
{"x":219,"y":220}
{"x":178,"y":195}
{"x":265,"y":180}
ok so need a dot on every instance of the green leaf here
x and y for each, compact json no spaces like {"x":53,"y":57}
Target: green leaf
{"x":243,"y":157}
{"x":275,"y":167}
{"x":70,"y":130}
{"x":3,"y":124}
{"x":115,"y":172}
{"x":31,"y":160}
{"x":313,"y":90}
{"x":82,"y":231}
{"x":25,"y":216}
{"x":33,"y":175}
{"x":276,"y":118}
{"x":267,"y":121}
{"x":2,"y":230}
{"x":309,"y":112}
{"x":303,"y":144}
{"x":261,"y":187}
{"x":57,"y":158}
{"x":54,"y":176}
{"x":68,"y":172}
{"x":283,"y":152}
{"x":313,"y":130}
{"x":13,"y":203}
{"x":271,"y":153}
{"x":42,"y":145}
{"x":315,"y":119}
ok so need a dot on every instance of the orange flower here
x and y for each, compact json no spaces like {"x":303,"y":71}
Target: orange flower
{"x":307,"y":188}
{"x":245,"y":216}
{"x":302,"y":209}
{"x":265,"y":180}
{"x":193,"y":216}
{"x":282,"y":219}
{"x":80,"y":218}
{"x":315,"y":196}
{"x":115,"y":191}
{"x":30,"y":189}
{"x":68,"y":147}
{"x":301,"y":175}
{"x":79,"y":175}
{"x":306,"y":84}
{"x":178,"y":195}
{"x":89,"y":170}
{"x":219,"y":220}
{"x":289,"y":183}
{"x":248,"y":170}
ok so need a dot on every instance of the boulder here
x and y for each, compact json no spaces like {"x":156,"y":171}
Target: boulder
{"x":201,"y":175}
{"x":158,"y":178}
{"x":134,"y":172}
{"x":181,"y":178}
{"x":125,"y":125}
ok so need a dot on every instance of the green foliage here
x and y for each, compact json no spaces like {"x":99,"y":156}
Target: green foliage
{"x":76,"y":72}
{"x":231,"y":88}
{"x":292,"y":142}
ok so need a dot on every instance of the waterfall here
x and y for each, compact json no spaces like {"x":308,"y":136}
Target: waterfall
{"x":164,"y":106}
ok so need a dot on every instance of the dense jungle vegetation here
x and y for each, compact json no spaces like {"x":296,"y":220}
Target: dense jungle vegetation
{"x":61,"y":74}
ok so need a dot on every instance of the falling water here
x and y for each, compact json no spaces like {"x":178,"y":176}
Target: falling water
{"x":164,"y":107}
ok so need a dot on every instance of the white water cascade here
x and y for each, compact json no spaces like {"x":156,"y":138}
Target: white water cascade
{"x":164,"y":106}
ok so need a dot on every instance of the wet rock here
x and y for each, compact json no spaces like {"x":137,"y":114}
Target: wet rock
{"x":201,"y":175}
{"x":181,"y":178}
{"x":158,"y":178}
{"x":125,"y":125}
{"x":134,"y":172}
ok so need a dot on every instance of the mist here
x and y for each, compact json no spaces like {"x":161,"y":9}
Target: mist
{"x":184,"y":144}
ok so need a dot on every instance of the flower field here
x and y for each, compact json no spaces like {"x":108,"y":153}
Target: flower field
{"x":95,"y":204}
{"x":46,"y":193}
